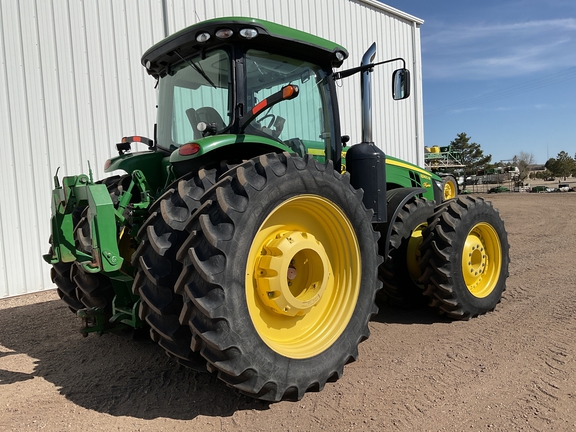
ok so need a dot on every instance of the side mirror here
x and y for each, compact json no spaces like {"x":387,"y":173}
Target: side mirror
{"x":401,"y":84}
{"x":344,"y":139}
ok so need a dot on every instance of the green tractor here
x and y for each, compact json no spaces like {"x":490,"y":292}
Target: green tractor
{"x":250,"y":239}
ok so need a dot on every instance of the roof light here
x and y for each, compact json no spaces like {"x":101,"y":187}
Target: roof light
{"x":224,"y":33}
{"x":340,"y":56}
{"x":189,"y":149}
{"x":202,"y":37}
{"x":248,"y":33}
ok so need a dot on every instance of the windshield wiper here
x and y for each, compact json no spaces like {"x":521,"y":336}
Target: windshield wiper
{"x":198,"y":69}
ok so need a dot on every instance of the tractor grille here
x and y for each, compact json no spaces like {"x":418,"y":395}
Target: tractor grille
{"x":415,"y":179}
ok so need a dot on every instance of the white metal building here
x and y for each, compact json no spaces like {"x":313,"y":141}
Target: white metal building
{"x":71,"y":85}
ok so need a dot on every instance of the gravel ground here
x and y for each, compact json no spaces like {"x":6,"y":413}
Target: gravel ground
{"x":512,"y":369}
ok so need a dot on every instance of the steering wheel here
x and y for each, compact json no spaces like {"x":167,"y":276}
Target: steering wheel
{"x":271,"y":116}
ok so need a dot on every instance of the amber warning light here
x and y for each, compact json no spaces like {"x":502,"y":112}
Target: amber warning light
{"x":288,"y":92}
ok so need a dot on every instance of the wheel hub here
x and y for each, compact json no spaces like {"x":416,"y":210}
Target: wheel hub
{"x":303,"y":276}
{"x":476,"y":263}
{"x":292,"y":273}
{"x":449,"y":191}
{"x":413,"y":255}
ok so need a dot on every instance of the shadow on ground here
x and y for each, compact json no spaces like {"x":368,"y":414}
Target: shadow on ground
{"x":419,"y":314}
{"x":126,"y":377}
{"x":110,"y":374}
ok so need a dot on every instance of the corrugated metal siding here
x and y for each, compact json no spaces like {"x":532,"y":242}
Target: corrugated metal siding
{"x":71,"y":85}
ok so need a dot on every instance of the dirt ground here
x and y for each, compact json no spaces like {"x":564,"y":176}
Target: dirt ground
{"x":512,"y":369}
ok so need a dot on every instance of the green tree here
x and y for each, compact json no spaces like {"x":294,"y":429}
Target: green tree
{"x":541,"y":175}
{"x":546,"y":174}
{"x":472,"y":155}
{"x":551,"y":166}
{"x":562,"y":166}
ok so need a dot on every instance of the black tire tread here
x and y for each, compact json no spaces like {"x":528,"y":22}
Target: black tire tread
{"x":161,"y":236}
{"x":65,"y":286}
{"x":206,"y":254}
{"x":398,"y":288}
{"x":440,"y":263}
{"x":94,"y":290}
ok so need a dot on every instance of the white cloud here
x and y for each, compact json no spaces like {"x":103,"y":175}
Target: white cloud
{"x":463,"y":110}
{"x":486,"y":51}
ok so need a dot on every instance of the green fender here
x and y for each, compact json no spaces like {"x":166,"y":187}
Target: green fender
{"x":153,"y":164}
{"x":210,"y":144}
{"x":399,"y":173}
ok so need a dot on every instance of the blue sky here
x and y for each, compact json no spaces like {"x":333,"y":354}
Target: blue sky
{"x":503,"y":72}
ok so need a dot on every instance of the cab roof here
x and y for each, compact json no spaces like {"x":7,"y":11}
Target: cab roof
{"x":271,"y":37}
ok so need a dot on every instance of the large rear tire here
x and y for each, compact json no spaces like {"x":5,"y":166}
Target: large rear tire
{"x":281,"y":266}
{"x":401,"y":270}
{"x":61,"y":275}
{"x":465,"y":257}
{"x":161,"y":236}
{"x":94,"y":289}
{"x":65,"y":286}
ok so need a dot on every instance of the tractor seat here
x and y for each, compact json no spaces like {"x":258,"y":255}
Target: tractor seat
{"x":210,"y":115}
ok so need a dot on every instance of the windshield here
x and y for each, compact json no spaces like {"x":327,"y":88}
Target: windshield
{"x":200,"y":89}
{"x":195,"y":90}
{"x":306,"y":118}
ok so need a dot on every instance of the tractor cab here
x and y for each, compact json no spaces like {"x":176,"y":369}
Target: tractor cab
{"x":244,"y":81}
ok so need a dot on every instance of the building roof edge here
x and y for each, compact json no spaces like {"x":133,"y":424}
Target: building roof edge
{"x":393,"y":11}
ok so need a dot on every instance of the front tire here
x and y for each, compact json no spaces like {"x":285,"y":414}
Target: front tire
{"x":465,"y":258}
{"x":401,"y":270}
{"x":449,"y":187}
{"x":281,"y":267}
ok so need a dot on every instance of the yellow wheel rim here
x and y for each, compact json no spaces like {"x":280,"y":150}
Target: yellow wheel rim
{"x":449,"y":190}
{"x":482,"y":260}
{"x":413,"y":254}
{"x":303,"y":276}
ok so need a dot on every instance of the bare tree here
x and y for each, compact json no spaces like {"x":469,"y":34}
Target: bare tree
{"x":523,"y":160}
